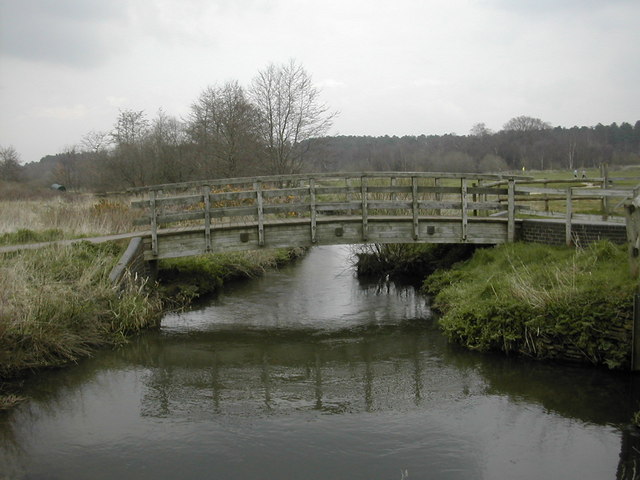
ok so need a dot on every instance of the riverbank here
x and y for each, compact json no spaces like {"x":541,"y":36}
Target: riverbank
{"x":548,"y":303}
{"x":57,"y":304}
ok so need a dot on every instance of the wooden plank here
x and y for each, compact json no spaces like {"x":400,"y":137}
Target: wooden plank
{"x":365,"y":213}
{"x":257,"y":186}
{"x":207,"y":217}
{"x":414,"y":206}
{"x":437,"y":206}
{"x":312,"y":208}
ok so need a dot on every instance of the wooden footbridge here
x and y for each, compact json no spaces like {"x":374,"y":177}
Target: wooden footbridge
{"x":353,"y":208}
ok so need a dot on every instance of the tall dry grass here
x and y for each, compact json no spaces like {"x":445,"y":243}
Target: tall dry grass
{"x":73,"y":216}
{"x":57,"y":305}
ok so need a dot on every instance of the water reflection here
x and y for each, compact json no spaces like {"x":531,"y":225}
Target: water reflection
{"x":257,"y":385}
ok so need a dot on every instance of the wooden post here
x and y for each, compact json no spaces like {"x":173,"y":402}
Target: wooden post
{"x":464,"y":205}
{"x":511,"y":212}
{"x":312,"y":207}
{"x":474,"y":199}
{"x":604,"y":170}
{"x":568,"y":215}
{"x":349,"y":195}
{"x":635,"y":339}
{"x":365,"y":219}
{"x":632,"y":214}
{"x":257,"y":186}
{"x":546,"y":199}
{"x":436,"y":183}
{"x":206,"y":190}
{"x":414,"y":206}
{"x":393,"y":182}
{"x":154,"y":222}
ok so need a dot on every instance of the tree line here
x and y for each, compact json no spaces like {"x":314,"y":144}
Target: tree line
{"x":523,"y":142}
{"x":278,"y":125}
{"x":267,"y":128}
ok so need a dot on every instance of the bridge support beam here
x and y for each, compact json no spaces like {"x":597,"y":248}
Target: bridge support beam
{"x":632,"y":213}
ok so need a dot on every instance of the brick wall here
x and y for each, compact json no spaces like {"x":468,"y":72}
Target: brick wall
{"x":552,"y":232}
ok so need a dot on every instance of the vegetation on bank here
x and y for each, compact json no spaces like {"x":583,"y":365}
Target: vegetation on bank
{"x":57,"y":305}
{"x":409,"y":260}
{"x":185,"y":279}
{"x":541,"y":301}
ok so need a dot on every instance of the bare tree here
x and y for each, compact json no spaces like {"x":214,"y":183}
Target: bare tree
{"x":10,"y":168}
{"x":129,"y":161}
{"x":66,"y":170}
{"x":167,"y":143}
{"x":223,"y":126}
{"x":291,"y":114}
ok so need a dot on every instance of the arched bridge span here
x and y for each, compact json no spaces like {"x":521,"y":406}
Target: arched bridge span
{"x":350,"y":208}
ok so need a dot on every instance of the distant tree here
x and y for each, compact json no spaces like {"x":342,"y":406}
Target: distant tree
{"x":525,"y":124}
{"x":290,"y":114}
{"x":10,"y":168}
{"x":66,"y":171}
{"x":480,"y":130}
{"x":492,"y":163}
{"x":223,"y":125}
{"x":130,"y":160}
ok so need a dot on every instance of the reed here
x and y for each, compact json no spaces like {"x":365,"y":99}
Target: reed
{"x":57,"y":305}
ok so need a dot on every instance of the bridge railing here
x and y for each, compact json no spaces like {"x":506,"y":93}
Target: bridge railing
{"x":411,"y":195}
{"x":310,"y":197}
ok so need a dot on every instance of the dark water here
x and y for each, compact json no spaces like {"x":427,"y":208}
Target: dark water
{"x":309,"y":374}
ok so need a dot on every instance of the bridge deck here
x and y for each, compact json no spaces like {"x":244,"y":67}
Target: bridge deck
{"x":330,"y":230}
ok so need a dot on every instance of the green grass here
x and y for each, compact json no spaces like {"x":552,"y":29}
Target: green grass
{"x":541,"y":301}
{"x":184,"y":279}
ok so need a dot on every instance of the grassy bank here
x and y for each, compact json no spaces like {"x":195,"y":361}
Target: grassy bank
{"x":57,"y":305}
{"x":541,"y":301}
{"x":185,"y":279}
{"x":409,"y":260}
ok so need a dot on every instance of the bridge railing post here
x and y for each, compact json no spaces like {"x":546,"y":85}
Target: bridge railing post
{"x":438,"y":197}
{"x":511,"y":211}
{"x":414,"y":207}
{"x":257,"y":186}
{"x":206,"y":190}
{"x":464,"y":207}
{"x":568,"y":216}
{"x":349,"y":184}
{"x":312,"y":208}
{"x":153,"y":214}
{"x":365,"y":208}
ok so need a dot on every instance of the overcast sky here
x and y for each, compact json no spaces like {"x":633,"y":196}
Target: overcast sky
{"x":395,"y":67}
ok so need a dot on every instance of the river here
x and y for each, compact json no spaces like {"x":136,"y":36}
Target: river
{"x":309,"y":373}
